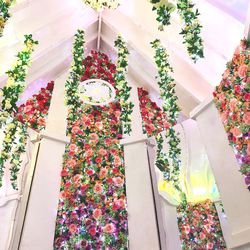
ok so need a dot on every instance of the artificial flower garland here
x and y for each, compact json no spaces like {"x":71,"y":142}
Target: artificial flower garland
{"x":124,"y":90}
{"x":232,"y":99}
{"x":100,"y":5}
{"x":171,"y":108}
{"x":199,"y":226}
{"x":4,"y":13}
{"x":11,"y":93}
{"x":92,"y":207}
{"x":191,"y":30}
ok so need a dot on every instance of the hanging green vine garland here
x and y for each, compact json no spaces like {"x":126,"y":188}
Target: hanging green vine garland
{"x":4,"y":13}
{"x":11,"y":93}
{"x":18,"y":150}
{"x":191,"y":31}
{"x":171,"y":108}
{"x":71,"y":87}
{"x":124,"y":90}
{"x":163,"y":10}
{"x":16,"y":79}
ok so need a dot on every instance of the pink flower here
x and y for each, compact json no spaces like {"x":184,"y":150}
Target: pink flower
{"x":210,"y":245}
{"x":41,"y":121}
{"x":109,"y":228}
{"x":118,"y":181}
{"x":246,"y":118}
{"x":77,"y":178}
{"x":75,"y":129}
{"x":64,"y":173}
{"x":72,"y":147}
{"x":73,"y":228}
{"x":117,"y":161}
{"x":92,"y":231}
{"x":226,"y":74}
{"x":89,"y":153}
{"x":72,"y":163}
{"x":242,"y":70}
{"x":102,"y":151}
{"x":98,"y":188}
{"x":121,"y":203}
{"x":103,"y":172}
{"x":236,"y":132}
{"x":248,"y":149}
{"x":99,"y":125}
{"x":202,"y":236}
{"x":97,"y":213}
{"x":233,"y":104}
{"x":224,"y":117}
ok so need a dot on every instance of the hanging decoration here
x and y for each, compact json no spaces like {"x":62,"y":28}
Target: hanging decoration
{"x":92,"y":207}
{"x":100,"y":5}
{"x":4,"y":13}
{"x":124,"y":90}
{"x":199,"y":226}
{"x":191,"y":30}
{"x":34,"y":111}
{"x":10,"y":95}
{"x":232,"y":99}
{"x":171,"y":108}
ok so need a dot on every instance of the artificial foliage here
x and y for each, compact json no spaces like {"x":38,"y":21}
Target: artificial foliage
{"x":124,"y":90}
{"x":100,"y":5}
{"x":4,"y":13}
{"x":34,"y":111}
{"x":191,"y":27}
{"x":92,"y":207}
{"x":14,"y":133}
{"x":170,"y":107}
{"x":191,"y":30}
{"x":232,"y":99}
{"x":199,"y":226}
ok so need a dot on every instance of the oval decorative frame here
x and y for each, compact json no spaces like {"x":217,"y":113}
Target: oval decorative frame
{"x":96,"y":85}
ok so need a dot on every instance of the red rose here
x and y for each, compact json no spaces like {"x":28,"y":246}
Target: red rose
{"x":98,"y":160}
{"x":237,"y":88}
{"x":92,"y":231}
{"x":64,"y":173}
{"x":247,"y":96}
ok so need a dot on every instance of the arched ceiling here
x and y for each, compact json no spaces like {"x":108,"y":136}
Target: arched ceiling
{"x":54,"y":24}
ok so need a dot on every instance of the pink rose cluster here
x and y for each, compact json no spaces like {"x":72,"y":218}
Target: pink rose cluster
{"x":232,"y":98}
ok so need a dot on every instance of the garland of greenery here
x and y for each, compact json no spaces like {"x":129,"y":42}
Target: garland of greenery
{"x":98,"y":5}
{"x":171,"y":108}
{"x":18,"y":150}
{"x":191,"y":30}
{"x":122,"y":85}
{"x":11,"y":93}
{"x":4,"y":13}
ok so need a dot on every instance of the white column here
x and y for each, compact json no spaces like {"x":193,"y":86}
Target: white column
{"x":39,"y":225}
{"x":230,"y":182}
{"x":142,"y":223}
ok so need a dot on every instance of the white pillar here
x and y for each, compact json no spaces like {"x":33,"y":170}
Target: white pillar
{"x":39,"y":225}
{"x":142,"y":223}
{"x":230,"y":182}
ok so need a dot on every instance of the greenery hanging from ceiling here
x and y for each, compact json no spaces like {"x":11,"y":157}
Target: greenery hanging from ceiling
{"x":170,"y":163}
{"x":121,"y":84}
{"x":4,"y":13}
{"x":100,"y":5}
{"x":191,"y":30}
{"x":14,"y":133}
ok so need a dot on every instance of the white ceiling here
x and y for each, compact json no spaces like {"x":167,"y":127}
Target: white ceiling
{"x":55,"y":22}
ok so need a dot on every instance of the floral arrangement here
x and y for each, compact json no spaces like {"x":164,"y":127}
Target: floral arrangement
{"x":100,"y":5}
{"x":232,"y":99}
{"x":123,"y":92}
{"x":199,"y":226}
{"x":191,"y":30}
{"x":171,"y":108}
{"x":34,"y":111}
{"x":14,"y":133}
{"x":4,"y":13}
{"x":92,"y":207}
{"x":154,"y":120}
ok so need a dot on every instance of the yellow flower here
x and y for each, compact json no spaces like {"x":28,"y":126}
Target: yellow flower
{"x":8,"y":104}
{"x":10,"y":82}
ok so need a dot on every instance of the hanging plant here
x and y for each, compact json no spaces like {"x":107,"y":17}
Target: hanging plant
{"x":4,"y":13}
{"x":170,"y":107}
{"x":100,"y":5}
{"x":191,"y":30}
{"x":163,"y":9}
{"x":10,"y":95}
{"x":124,"y":90}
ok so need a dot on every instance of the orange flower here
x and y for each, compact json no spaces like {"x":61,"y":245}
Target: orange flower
{"x":236,"y":132}
{"x":242,"y":70}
